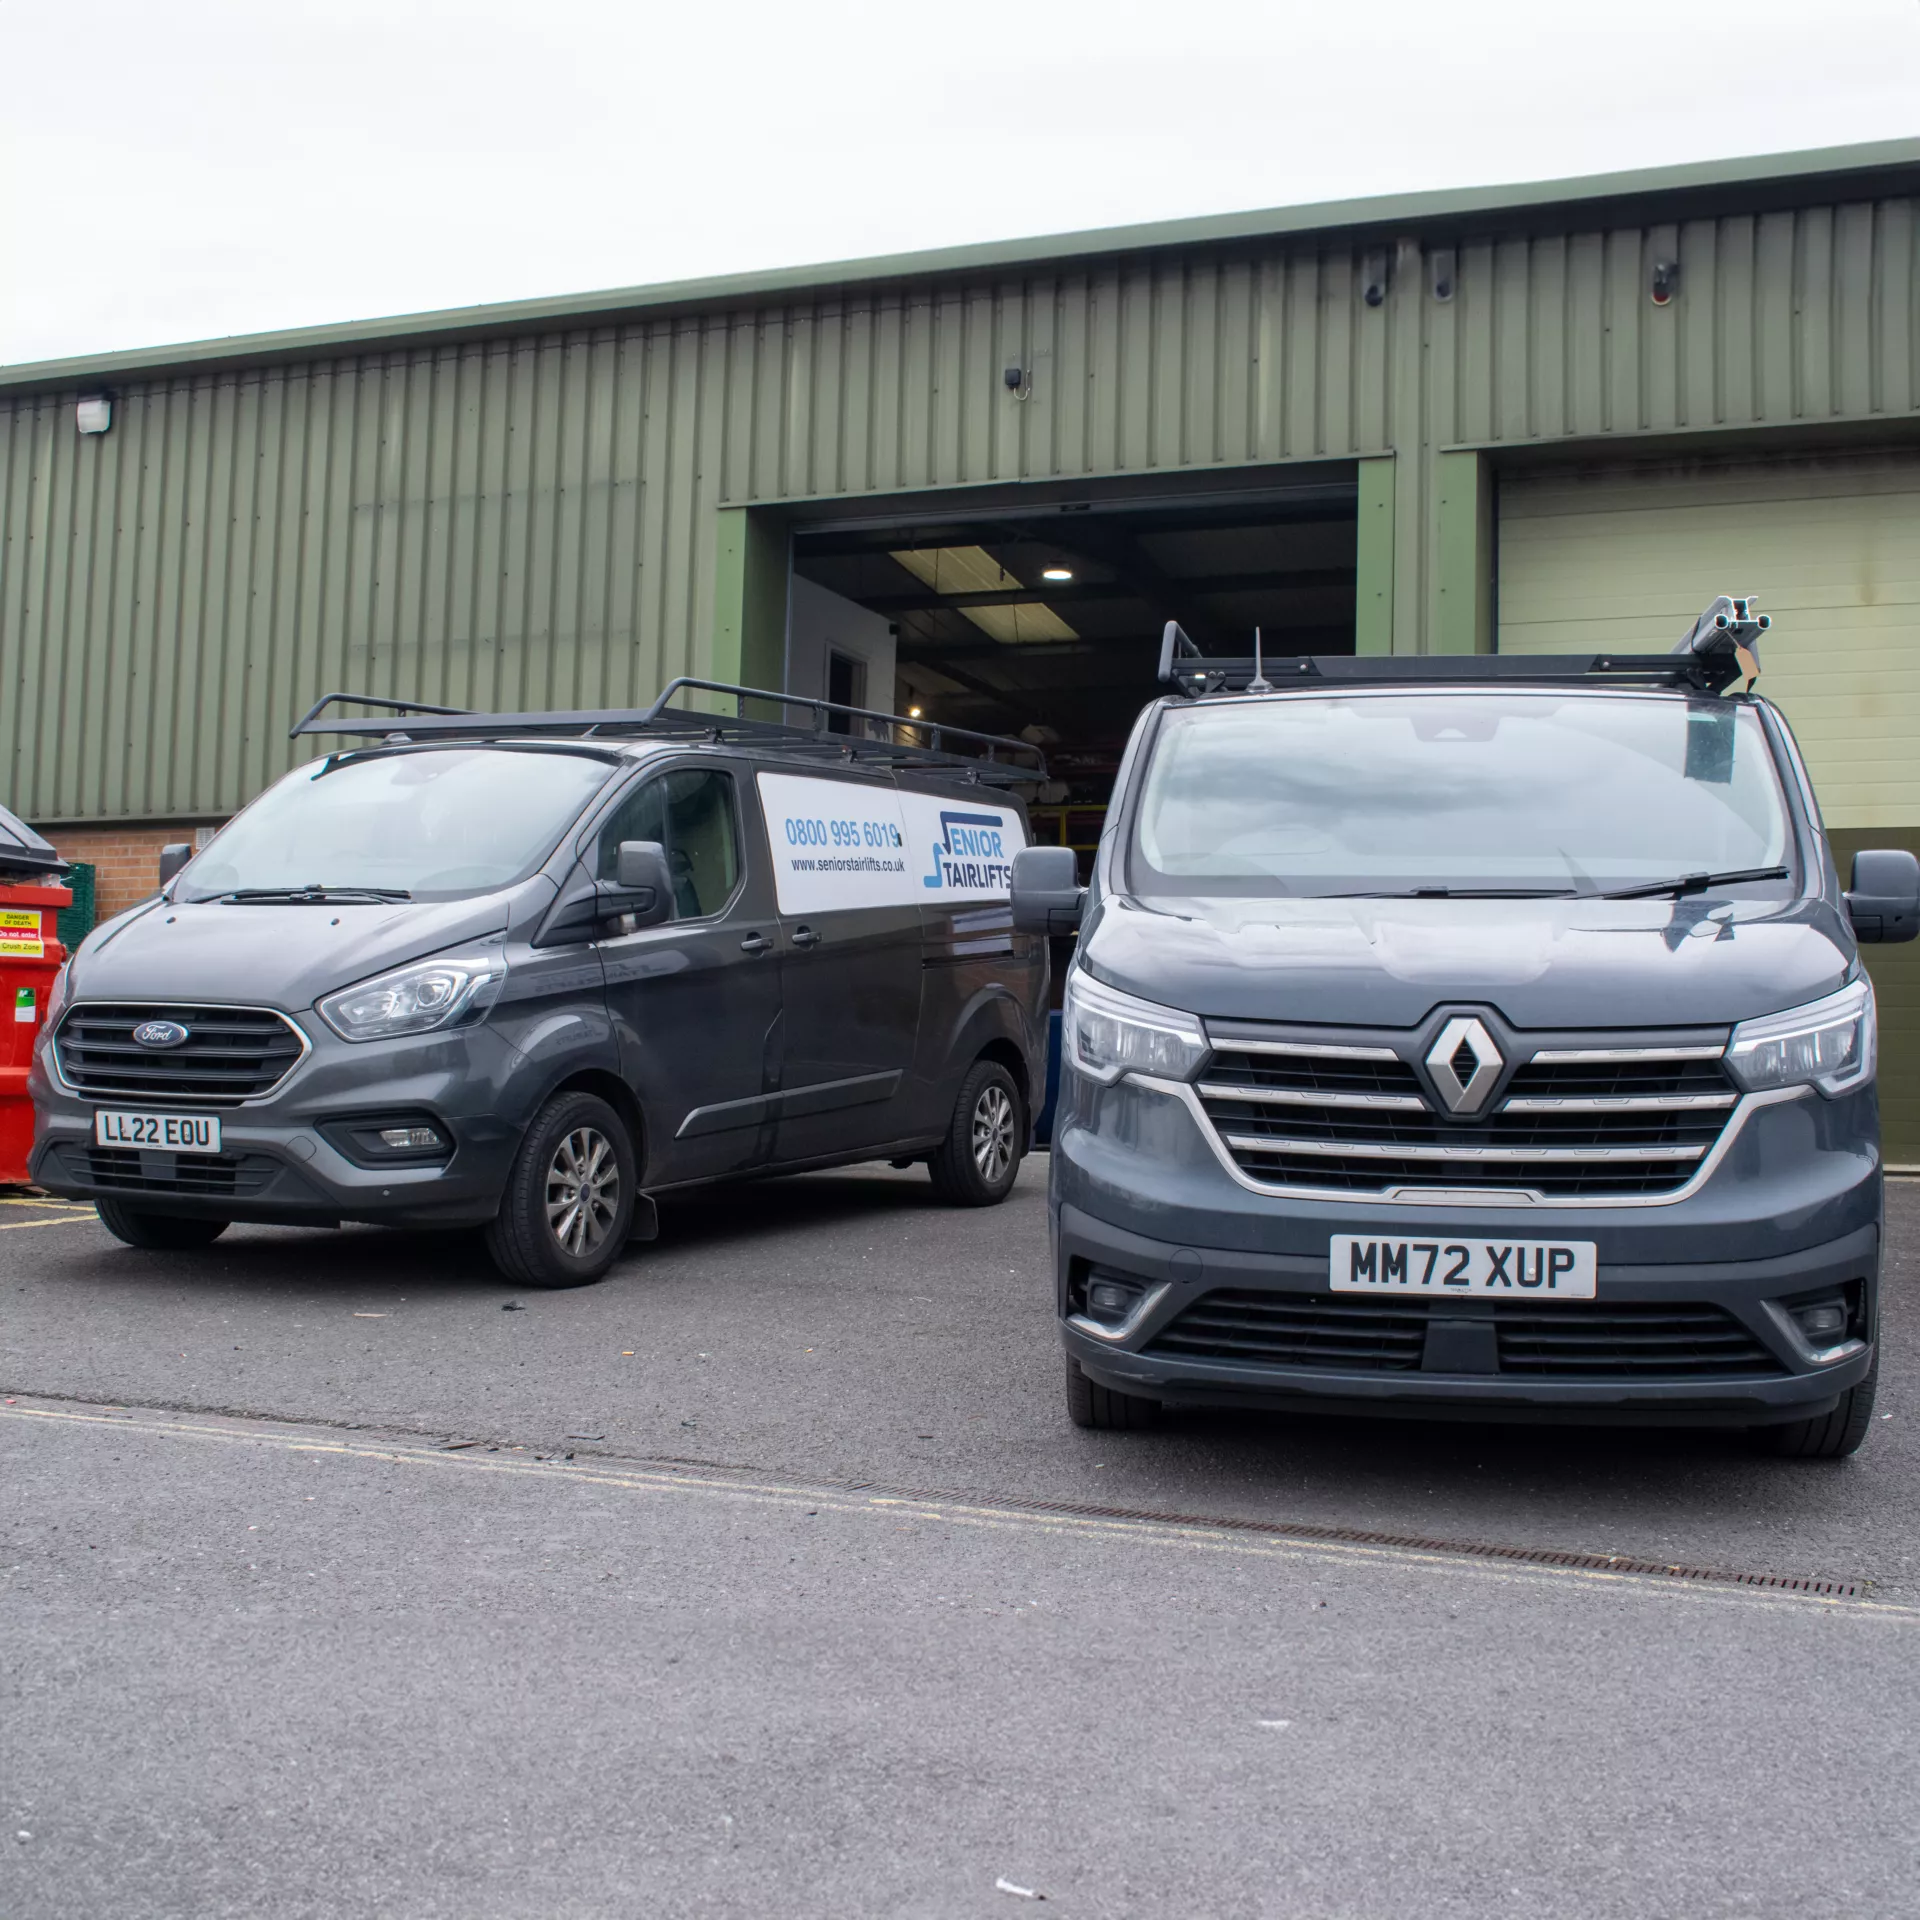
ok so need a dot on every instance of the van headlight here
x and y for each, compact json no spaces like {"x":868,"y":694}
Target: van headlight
{"x":1108,"y":1033}
{"x":1829,"y":1044}
{"x":418,"y":999}
{"x":57,"y":997}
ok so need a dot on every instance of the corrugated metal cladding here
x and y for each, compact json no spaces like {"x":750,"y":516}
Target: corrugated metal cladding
{"x":532,"y":521}
{"x":1780,"y":319}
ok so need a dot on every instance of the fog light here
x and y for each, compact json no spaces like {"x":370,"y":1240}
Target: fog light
{"x":410,"y":1139}
{"x":1827,"y":1321}
{"x":1111,"y":1299}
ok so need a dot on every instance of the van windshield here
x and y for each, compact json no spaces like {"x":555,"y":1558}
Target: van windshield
{"x":1462,"y":792}
{"x":426,"y":824}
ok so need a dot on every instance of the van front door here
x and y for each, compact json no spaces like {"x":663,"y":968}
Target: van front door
{"x":850,"y":961}
{"x":696,"y":1001}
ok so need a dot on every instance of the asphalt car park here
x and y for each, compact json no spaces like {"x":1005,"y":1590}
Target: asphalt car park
{"x":343,"y":1578}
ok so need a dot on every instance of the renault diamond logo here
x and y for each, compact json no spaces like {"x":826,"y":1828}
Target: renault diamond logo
{"x":160,"y":1033}
{"x":1464,"y":1064}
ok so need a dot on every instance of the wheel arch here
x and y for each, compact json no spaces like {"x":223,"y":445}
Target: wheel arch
{"x":608,"y":1086}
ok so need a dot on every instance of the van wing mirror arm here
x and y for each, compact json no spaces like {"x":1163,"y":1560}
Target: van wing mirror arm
{"x":641,"y":892}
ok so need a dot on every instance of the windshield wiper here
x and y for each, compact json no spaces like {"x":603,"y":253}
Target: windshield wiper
{"x":312,"y":896}
{"x":1695,"y":883}
{"x":1455,"y":893}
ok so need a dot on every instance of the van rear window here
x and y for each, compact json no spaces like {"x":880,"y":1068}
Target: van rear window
{"x":1456,"y":791}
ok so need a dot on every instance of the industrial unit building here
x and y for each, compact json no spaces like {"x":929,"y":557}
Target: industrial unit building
{"x":977,"y":482}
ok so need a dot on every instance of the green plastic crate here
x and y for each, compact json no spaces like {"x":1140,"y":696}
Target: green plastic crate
{"x":76,"y":921}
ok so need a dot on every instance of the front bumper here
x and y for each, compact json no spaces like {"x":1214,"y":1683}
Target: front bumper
{"x":287,"y":1158}
{"x":1792,"y":1209}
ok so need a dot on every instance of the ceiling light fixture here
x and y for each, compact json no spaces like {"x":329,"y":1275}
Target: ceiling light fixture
{"x":913,"y":713}
{"x":1056,"y":573}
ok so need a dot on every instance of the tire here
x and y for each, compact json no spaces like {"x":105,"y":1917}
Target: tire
{"x":979,"y":1160}
{"x":158,"y":1232}
{"x":1104,"y":1409}
{"x":1827,"y":1436}
{"x":554,"y":1228}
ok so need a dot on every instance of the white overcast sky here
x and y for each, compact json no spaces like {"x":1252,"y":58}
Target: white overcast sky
{"x":179,"y":169}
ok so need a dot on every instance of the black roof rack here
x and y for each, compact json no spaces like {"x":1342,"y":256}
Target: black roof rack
{"x":1722,"y":646}
{"x":975,"y":757}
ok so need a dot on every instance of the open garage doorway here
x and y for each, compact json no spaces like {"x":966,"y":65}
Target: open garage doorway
{"x":1043,"y":617}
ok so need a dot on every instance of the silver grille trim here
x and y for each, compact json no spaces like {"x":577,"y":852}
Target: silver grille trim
{"x":1398,"y":1150}
{"x":212,"y":1070}
{"x":1465,"y":1197}
{"x":1304,"y":1050}
{"x":1301,"y":1097}
{"x":1617,"y":1102}
{"x":1594,"y":1125}
{"x":1607,"y":1056}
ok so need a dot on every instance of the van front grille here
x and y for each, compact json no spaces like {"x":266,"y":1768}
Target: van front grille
{"x":1575,"y":1340}
{"x":202,"y":1175}
{"x":1298,"y":1330}
{"x":230,"y":1054}
{"x":1573,"y":1122}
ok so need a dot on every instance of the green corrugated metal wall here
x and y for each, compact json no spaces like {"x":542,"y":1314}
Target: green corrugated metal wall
{"x":533,"y":521}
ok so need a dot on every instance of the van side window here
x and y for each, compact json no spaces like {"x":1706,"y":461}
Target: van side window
{"x":693,"y":814}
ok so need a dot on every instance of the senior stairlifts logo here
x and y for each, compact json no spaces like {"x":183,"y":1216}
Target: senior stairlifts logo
{"x":971,"y":853}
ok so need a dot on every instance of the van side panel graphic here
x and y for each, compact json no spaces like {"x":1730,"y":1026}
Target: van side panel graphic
{"x":839,"y":844}
{"x":971,"y":853}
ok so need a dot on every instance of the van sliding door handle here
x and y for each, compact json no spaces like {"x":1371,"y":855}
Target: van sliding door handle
{"x":805,"y":937}
{"x":756,"y":943}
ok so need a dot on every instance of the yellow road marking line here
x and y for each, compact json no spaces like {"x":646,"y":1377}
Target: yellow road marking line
{"x":67,"y":1220}
{"x":22,"y":1200}
{"x":1195,"y":1536}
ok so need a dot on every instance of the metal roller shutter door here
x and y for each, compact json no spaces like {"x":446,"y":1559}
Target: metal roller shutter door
{"x":1623,"y":558}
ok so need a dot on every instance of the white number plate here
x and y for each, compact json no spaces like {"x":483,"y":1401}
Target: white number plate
{"x":165,"y":1132}
{"x":1504,"y":1269}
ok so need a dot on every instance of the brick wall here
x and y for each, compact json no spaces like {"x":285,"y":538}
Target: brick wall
{"x":126,"y":860}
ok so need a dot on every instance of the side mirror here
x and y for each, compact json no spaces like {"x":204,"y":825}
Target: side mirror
{"x":1046,"y":891}
{"x":640,"y":892}
{"x":1884,"y":901}
{"x":172,"y":858}
{"x":643,"y":884}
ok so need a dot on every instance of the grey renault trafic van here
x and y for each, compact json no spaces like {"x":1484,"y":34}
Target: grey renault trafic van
{"x":1477,"y":1036}
{"x":526,"y":971}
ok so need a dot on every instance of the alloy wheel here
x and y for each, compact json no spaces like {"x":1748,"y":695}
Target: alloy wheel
{"x":583,"y":1190}
{"x":992,"y":1133}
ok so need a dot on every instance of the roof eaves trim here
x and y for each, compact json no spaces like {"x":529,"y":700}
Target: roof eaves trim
{"x":570,"y":312}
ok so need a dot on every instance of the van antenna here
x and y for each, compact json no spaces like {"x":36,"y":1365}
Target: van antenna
{"x":1259,"y":683}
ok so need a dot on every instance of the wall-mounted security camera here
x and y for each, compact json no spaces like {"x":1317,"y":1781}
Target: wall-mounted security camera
{"x":1373,"y":277}
{"x":1440,"y":273}
{"x":1664,"y":282}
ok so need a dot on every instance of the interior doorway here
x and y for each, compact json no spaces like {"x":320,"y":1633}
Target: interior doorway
{"x":1044,"y":620}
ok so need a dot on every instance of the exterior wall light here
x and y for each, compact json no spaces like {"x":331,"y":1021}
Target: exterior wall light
{"x":1056,"y":573}
{"x":93,"y":412}
{"x":913,"y":713}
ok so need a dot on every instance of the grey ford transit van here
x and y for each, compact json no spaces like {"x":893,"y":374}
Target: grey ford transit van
{"x":1476,"y":1036}
{"x":525,"y":971}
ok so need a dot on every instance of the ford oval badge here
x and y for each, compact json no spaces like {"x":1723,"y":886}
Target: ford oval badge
{"x":160,"y":1033}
